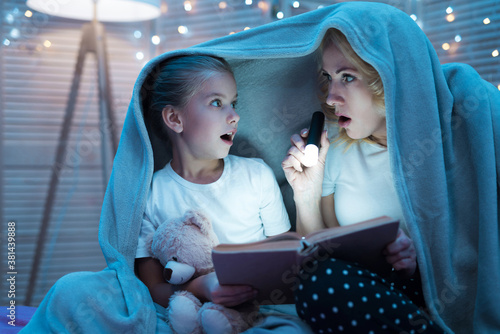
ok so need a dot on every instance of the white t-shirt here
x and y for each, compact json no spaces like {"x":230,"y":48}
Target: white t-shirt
{"x":244,"y":205}
{"x":362,"y":183}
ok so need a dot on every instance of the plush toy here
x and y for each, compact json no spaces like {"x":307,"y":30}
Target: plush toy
{"x":183,"y":247}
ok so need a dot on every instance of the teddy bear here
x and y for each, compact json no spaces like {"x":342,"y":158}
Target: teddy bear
{"x":184,"y":248}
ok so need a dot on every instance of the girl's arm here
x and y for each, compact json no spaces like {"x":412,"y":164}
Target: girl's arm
{"x":205,"y":288}
{"x":150,"y":272}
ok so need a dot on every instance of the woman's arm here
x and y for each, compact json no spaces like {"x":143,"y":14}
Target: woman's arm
{"x":313,"y":216}
{"x":328,"y":211}
{"x":205,"y":288}
{"x":306,"y":183}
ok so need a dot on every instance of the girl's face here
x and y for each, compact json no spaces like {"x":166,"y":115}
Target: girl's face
{"x":210,"y":120}
{"x":353,"y":101}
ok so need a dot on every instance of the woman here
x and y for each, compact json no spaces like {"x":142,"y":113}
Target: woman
{"x":354,"y":189}
{"x":404,"y":150}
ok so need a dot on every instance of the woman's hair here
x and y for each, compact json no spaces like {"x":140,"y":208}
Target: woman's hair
{"x":174,"y":82}
{"x":368,"y":73}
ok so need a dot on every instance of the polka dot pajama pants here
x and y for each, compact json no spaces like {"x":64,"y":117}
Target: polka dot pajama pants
{"x":340,"y":297}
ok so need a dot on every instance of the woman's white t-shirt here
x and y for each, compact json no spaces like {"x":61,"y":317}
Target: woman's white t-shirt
{"x":361,"y":180}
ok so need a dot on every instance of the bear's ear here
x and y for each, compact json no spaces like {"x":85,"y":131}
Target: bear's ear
{"x":203,"y":223}
{"x":199,"y":220}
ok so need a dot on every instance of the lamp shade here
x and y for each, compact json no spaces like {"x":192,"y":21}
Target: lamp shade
{"x":107,"y":10}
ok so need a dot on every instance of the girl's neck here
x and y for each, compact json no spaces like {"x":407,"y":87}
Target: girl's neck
{"x":200,"y":172}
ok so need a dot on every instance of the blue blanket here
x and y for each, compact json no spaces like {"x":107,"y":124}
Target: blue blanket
{"x":443,"y":139}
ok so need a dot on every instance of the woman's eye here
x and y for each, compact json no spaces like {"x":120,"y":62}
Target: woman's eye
{"x":348,"y":78}
{"x":216,"y":103}
{"x":327,"y":76}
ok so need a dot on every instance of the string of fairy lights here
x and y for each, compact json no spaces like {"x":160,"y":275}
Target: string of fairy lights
{"x":450,"y":17}
{"x":276,"y":9}
{"x":17,"y":33}
{"x":452,"y":46}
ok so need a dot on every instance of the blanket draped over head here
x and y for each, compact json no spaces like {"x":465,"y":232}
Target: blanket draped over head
{"x":443,"y":124}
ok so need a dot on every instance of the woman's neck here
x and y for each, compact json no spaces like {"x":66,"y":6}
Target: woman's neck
{"x":379,"y":139}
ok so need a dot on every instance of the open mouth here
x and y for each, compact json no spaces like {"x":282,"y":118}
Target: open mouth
{"x":228,"y":137}
{"x":344,"y":121}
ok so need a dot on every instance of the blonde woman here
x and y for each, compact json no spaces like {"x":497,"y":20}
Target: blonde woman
{"x":349,"y":185}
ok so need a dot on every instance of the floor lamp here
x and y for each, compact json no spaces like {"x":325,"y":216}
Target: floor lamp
{"x":92,"y":41}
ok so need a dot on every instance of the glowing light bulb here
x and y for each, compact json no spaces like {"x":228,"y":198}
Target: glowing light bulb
{"x":414,"y":17}
{"x":280,"y":15}
{"x":222,"y":5}
{"x":15,"y":33}
{"x":458,"y":38}
{"x":28,"y":13}
{"x":248,"y":2}
{"x":155,"y":39}
{"x":495,"y":53}
{"x":9,"y":18}
{"x":263,"y":5}
{"x":445,"y":46}
{"x":182,"y":30}
{"x":137,"y":34}
{"x":487,"y":21}
{"x":139,"y":55}
{"x":47,"y":44}
{"x":450,"y":17}
{"x":296,"y":4}
{"x":449,"y":10}
{"x":187,"y":6}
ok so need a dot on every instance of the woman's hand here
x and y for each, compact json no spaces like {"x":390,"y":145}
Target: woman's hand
{"x":304,"y":179}
{"x":306,"y":182}
{"x":401,"y":254}
{"x":226,"y":295}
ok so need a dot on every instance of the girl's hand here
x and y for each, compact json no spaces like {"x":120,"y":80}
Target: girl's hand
{"x":401,"y":254}
{"x":227,"y":295}
{"x":301,"y":178}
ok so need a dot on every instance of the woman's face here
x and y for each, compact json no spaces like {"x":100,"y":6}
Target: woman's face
{"x":353,"y":101}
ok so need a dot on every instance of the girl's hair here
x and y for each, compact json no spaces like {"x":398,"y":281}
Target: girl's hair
{"x":174,"y":82}
{"x":369,"y":75}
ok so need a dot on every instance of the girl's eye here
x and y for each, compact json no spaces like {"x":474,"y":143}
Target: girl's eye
{"x":233,"y":104}
{"x":327,"y":76}
{"x":348,"y":78}
{"x":216,"y":103}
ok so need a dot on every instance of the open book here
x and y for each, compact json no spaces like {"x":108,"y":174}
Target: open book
{"x":272,"y":265}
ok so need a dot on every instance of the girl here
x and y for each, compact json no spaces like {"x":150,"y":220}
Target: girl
{"x":192,"y":105}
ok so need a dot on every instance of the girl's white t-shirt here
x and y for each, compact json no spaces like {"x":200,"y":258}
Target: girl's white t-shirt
{"x":244,"y":205}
